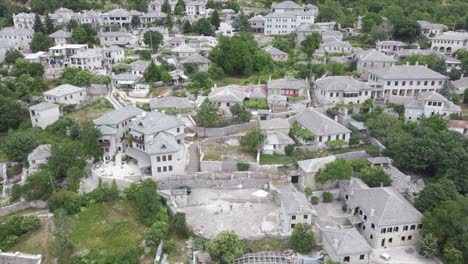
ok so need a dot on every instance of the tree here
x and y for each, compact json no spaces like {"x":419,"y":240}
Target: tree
{"x":310,"y":44}
{"x":63,"y":228}
{"x":12,"y":55}
{"x":38,"y":185}
{"x":40,"y":42}
{"x":308,"y":191}
{"x":38,"y":26}
{"x":179,"y":8}
{"x":89,"y":135}
{"x":239,"y":113}
{"x":180,"y":225}
{"x":152,"y":73}
{"x":147,"y":201}
{"x":153,"y":39}
{"x":406,"y":29}
{"x":375,"y":176}
{"x":207,"y":115}
{"x":434,"y":194}
{"x":156,"y":232}
{"x":165,"y":77}
{"x":12,"y":114}
{"x":252,"y":140}
{"x":302,"y":239}
{"x":453,"y":255}
{"x":427,"y":245}
{"x":49,"y":25}
{"x":166,"y":7}
{"x":241,"y":23}
{"x":203,"y":27}
{"x":85,"y":34}
{"x":225,"y":247}
{"x":214,"y":19}
{"x":235,"y":55}
{"x":18,"y":145}
{"x":340,"y":169}
{"x":215,"y":72}
{"x":187,"y":28}
{"x":66,"y":200}
{"x":263,"y":61}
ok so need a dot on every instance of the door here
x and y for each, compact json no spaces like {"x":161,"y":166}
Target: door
{"x":294,"y":179}
{"x":383,"y":242}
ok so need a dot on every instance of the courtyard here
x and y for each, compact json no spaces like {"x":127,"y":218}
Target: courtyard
{"x":226,"y":150}
{"x":251,"y":213}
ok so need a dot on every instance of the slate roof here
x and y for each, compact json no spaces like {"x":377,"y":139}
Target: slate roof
{"x":458,"y":124}
{"x":154,"y":122}
{"x":154,"y":14}
{"x":345,"y":242}
{"x":391,"y":43}
{"x":230,"y":93}
{"x":117,"y":116}
{"x":162,"y":143}
{"x":89,"y":53}
{"x":451,"y":35}
{"x":119,"y":12}
{"x":126,"y":77}
{"x":314,"y":165}
{"x":257,"y":18}
{"x":422,"y":98}
{"x":399,"y":72}
{"x":196,"y":58}
{"x":259,"y":92}
{"x":461,"y":83}
{"x":107,"y":130}
{"x":286,"y":4}
{"x":43,"y":106}
{"x":294,"y":203}
{"x":287,"y":83}
{"x":341,"y":83}
{"x":373,"y":55}
{"x":319,"y":124}
{"x":273,"y":124}
{"x":171,"y":102}
{"x":183,"y":48}
{"x":143,"y":158}
{"x":40,"y":152}
{"x":274,"y":51}
{"x":278,"y":138}
{"x":64,"y":89}
{"x":290,"y":14}
{"x":140,"y":65}
{"x":61,"y":34}
{"x":114,"y":34}
{"x":337,"y":43}
{"x":428,"y":25}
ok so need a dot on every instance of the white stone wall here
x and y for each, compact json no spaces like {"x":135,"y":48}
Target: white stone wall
{"x":44,"y":118}
{"x":364,"y":67}
{"x":164,"y":168}
{"x":332,"y":98}
{"x":69,"y":99}
{"x":285,"y":25}
{"x":405,"y":87}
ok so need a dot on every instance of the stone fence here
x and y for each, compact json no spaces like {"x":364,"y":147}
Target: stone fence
{"x":376,"y":143}
{"x":19,"y":206}
{"x":223,"y":131}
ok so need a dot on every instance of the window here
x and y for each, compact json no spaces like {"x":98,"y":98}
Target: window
{"x":405,"y":228}
{"x":306,"y":216}
{"x":293,"y":217}
{"x":170,"y":168}
{"x":361,"y":256}
{"x":390,"y":240}
{"x":403,"y":238}
{"x":389,"y":230}
{"x":293,"y":225}
{"x":346,"y":197}
{"x":413,"y":227}
{"x":419,"y":226}
{"x":372,"y":226}
{"x":360,"y":212}
{"x":425,"y":82}
{"x":432,"y":83}
{"x":410,"y":237}
{"x":411,"y":83}
{"x":395,"y":229}
{"x":178,"y":129}
{"x":158,"y":159}
{"x":346,"y":259}
{"x":365,"y":217}
{"x":388,"y":83}
{"x":418,"y":82}
{"x":382,"y":231}
{"x":164,"y":168}
{"x":164,"y":158}
{"x":403,"y":83}
{"x":396,"y":83}
{"x":371,"y":236}
{"x":159,"y":169}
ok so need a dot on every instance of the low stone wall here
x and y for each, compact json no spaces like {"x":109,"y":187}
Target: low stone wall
{"x":215,"y":184}
{"x":19,"y":206}
{"x":223,"y":131}
{"x":97,"y":89}
{"x":376,"y":143}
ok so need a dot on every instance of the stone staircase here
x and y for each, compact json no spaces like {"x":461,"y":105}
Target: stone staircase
{"x":194,"y":159}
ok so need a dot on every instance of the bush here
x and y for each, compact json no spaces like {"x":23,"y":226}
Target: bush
{"x":327,"y":197}
{"x":180,"y":225}
{"x":314,"y":200}
{"x":308,"y":191}
{"x":302,"y":239}
{"x":66,"y":200}
{"x":252,"y":140}
{"x":241,"y":166}
{"x":14,"y":227}
{"x":256,"y":104}
{"x":289,"y":150}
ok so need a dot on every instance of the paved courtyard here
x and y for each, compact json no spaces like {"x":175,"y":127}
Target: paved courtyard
{"x":400,"y":255}
{"x":249,"y":212}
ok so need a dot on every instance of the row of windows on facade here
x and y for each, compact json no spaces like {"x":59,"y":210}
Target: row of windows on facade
{"x":346,"y":95}
{"x":395,"y":229}
{"x":390,"y":240}
{"x":372,"y":64}
{"x":403,"y":83}
{"x":446,"y":41}
{"x":348,"y":258}
{"x":337,"y":137}
{"x":431,"y":103}
{"x":164,"y":158}
{"x":278,"y":32}
{"x":164,"y":168}
{"x":65,"y":98}
{"x":293,"y":217}
{"x":281,"y":26}
{"x":15,"y":37}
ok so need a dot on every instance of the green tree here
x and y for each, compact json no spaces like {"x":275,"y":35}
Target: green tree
{"x":427,"y":245}
{"x":38,"y":26}
{"x":215,"y":72}
{"x":207,"y":115}
{"x":340,"y":169}
{"x":40,"y":42}
{"x":187,"y":27}
{"x":12,"y":55}
{"x":225,"y":247}
{"x":180,"y":225}
{"x":434,"y":194}
{"x":465,"y":96}
{"x":152,"y":73}
{"x":203,"y":27}
{"x":235,"y":55}
{"x":49,"y":25}
{"x":375,"y":176}
{"x":310,"y":44}
{"x":153,"y":39}
{"x":241,"y":23}
{"x":308,"y":191}
{"x":453,"y":255}
{"x":263,"y":61}
{"x":179,"y":8}
{"x":165,"y":77}
{"x":214,"y":19}
{"x":406,"y":29}
{"x":12,"y":114}
{"x":38,"y":185}
{"x":147,"y":201}
{"x":89,"y":135}
{"x":85,"y":34}
{"x":165,"y":7}
{"x":252,"y":140}
{"x":156,"y":232}
{"x":302,"y":239}
{"x":18,"y":145}
{"x":66,"y":200}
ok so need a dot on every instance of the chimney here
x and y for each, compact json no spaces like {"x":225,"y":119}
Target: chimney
{"x":417,"y":63}
{"x":462,"y":75}
{"x":336,"y":118}
{"x":372,"y":211}
{"x":307,"y":79}
{"x":407,"y":63}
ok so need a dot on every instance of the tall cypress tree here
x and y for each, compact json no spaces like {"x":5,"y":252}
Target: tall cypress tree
{"x":38,"y":25}
{"x":49,"y":25}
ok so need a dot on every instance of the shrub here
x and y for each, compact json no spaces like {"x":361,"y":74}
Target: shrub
{"x":335,"y":143}
{"x":314,"y":200}
{"x":302,"y":239}
{"x":289,"y":150}
{"x":375,"y":176}
{"x":327,"y":197}
{"x":66,"y":200}
{"x":308,"y":191}
{"x":256,"y":104}
{"x":297,"y":131}
{"x":241,"y":166}
{"x":180,"y":225}
{"x":252,"y":140}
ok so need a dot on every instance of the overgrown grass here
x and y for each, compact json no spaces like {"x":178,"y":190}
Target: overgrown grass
{"x":266,"y":244}
{"x":92,"y":111}
{"x":266,"y":159}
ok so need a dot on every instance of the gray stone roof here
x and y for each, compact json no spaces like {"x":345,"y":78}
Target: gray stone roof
{"x":140,"y":65}
{"x":196,"y":58}
{"x":257,"y":18}
{"x":373,"y":55}
{"x":408,"y":72}
{"x":451,"y":35}
{"x":345,"y":242}
{"x":40,"y":152}
{"x":154,"y":122}
{"x":287,"y":83}
{"x":230,"y":93}
{"x":319,"y":124}
{"x":286,"y":4}
{"x":64,"y":89}
{"x":183,"y":48}
{"x":278,"y":138}
{"x":107,"y":130}
{"x":420,"y":101}
{"x":43,"y":106}
{"x":295,"y":203}
{"x":89,"y":53}
{"x":274,"y":51}
{"x":341,"y":83}
{"x":391,"y":43}
{"x":114,"y":34}
{"x":61,"y":34}
{"x":314,"y":165}
{"x":290,"y":14}
{"x":154,"y":14}
{"x":119,"y":12}
{"x":126,"y":77}
{"x":171,"y":102}
{"x":461,"y":83}
{"x":162,"y":143}
{"x":273,"y":124}
{"x":384,"y":206}
{"x":428,"y":25}
{"x":143,"y":158}
{"x":117,"y":116}
{"x":379,"y":160}
{"x":336,"y":43}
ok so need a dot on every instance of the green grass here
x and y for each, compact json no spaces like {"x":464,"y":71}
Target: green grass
{"x":107,"y":227}
{"x":91,"y":111}
{"x":266,"y":244}
{"x":3,"y":157}
{"x":266,"y":159}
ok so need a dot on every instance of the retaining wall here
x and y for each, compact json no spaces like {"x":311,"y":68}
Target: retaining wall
{"x":19,"y":206}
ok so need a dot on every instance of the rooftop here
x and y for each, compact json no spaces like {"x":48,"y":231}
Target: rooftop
{"x":345,"y":242}
{"x":341,"y":83}
{"x":275,"y":123}
{"x":61,"y":34}
{"x":286,"y":4}
{"x":43,"y":106}
{"x":374,"y":55}
{"x":117,"y":116}
{"x":171,"y":102}
{"x":196,"y":58}
{"x":230,"y":93}
{"x":400,"y":72}
{"x":319,"y":124}
{"x":289,"y":83}
{"x":64,"y":89}
{"x":153,"y":122}
{"x":274,"y":51}
{"x":40,"y":152}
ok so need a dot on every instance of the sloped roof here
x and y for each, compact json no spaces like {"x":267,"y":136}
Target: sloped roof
{"x":43,"y":106}
{"x":407,"y":72}
{"x":126,"y":77}
{"x":107,"y":130}
{"x":64,"y":89}
{"x":278,"y":138}
{"x":419,"y":102}
{"x":61,"y":34}
{"x":230,"y":93}
{"x":345,"y":242}
{"x":162,"y":143}
{"x":196,"y":58}
{"x":295,"y":202}
{"x":286,"y":4}
{"x":341,"y":83}
{"x":319,"y":124}
{"x":171,"y":102}
{"x":117,"y":116}
{"x":452,"y":35}
{"x":274,"y":51}
{"x":287,"y":83}
{"x":257,"y":18}
{"x":40,"y":152}
{"x":183,"y":48}
{"x":154,"y":122}
{"x":140,"y":65}
{"x":384,"y":206}
{"x":314,"y":165}
{"x":461,"y":83}
{"x":374,"y":55}
{"x":275,"y":123}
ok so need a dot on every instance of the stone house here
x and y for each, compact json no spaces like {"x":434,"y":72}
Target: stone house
{"x":184,"y":51}
{"x":429,"y":29}
{"x":449,"y":42}
{"x":276,"y":136}
{"x":67,"y":50}
{"x":333,"y":90}
{"x":38,"y":157}
{"x":155,"y":5}
{"x":336,"y":46}
{"x":119,"y":16}
{"x":294,"y":209}
{"x":44,"y":114}
{"x":171,"y":103}
{"x":257,"y":24}
{"x":88,"y":17}
{"x":346,"y":245}
{"x":308,"y":170}
{"x":20,"y":258}
{"x":175,"y":41}
{"x":125,"y":80}
{"x":195,"y":8}
{"x":276,"y":54}
{"x":66,"y":94}
{"x":118,"y":38}
{"x":112,"y":55}
{"x":289,"y":86}
{"x":372,"y":60}
{"x":89,"y":59}
{"x":61,"y":37}
{"x":152,"y":17}
{"x":24,"y":20}
{"x":114,"y":128}
{"x":428,"y":104}
{"x":61,"y":16}
{"x":158,"y":144}
{"x":390,"y":47}
{"x":461,"y":85}
{"x":198,"y":60}
{"x":139,"y":67}
{"x":228,"y":96}
{"x":20,"y":38}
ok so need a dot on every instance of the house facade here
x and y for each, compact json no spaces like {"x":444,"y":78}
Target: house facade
{"x":390,"y":47}
{"x":346,"y":245}
{"x":276,"y":136}
{"x":66,"y":94}
{"x":38,"y":157}
{"x":295,"y":209}
{"x":117,"y":38}
{"x":61,"y":37}
{"x":372,"y":60}
{"x":44,"y":114}
{"x":89,"y":59}
{"x":195,"y":7}
{"x":428,"y":104}
{"x":449,"y":42}
{"x":24,"y":20}
{"x":288,"y":86}
{"x":333,"y":90}
{"x":20,"y":38}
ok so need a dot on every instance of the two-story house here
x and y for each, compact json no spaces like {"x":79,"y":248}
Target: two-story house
{"x":449,"y":42}
{"x":24,"y":20}
{"x":195,"y":7}
{"x":333,"y":90}
{"x":66,"y":94}
{"x":89,"y":59}
{"x":118,"y":38}
{"x":429,"y":29}
{"x":38,"y":157}
{"x":390,"y":47}
{"x":404,"y":80}
{"x":157,"y":144}
{"x":295,"y":209}
{"x":44,"y":114}
{"x":228,"y":96}
{"x":428,"y":104}
{"x":289,"y":86}
{"x":346,"y":245}
{"x":20,"y":38}
{"x":61,"y":37}
{"x":372,"y":60}
{"x":276,"y":54}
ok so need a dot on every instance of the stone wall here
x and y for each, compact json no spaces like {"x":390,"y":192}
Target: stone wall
{"x":224,"y":131}
{"x":376,"y":143}
{"x":16,"y":207}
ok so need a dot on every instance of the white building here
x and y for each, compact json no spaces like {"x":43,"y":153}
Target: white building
{"x":114,"y":128}
{"x":257,"y":24}
{"x":228,"y":96}
{"x":113,"y":54}
{"x":276,"y":54}
{"x":449,"y":42}
{"x":89,"y":59}
{"x":61,"y":37}
{"x":66,"y":94}
{"x":24,"y":20}
{"x":117,"y":38}
{"x":155,"y":5}
{"x":195,"y":7}
{"x":119,"y":16}
{"x":285,"y":17}
{"x":276,"y":132}
{"x":428,"y":104}
{"x":38,"y":157}
{"x":372,"y":60}
{"x":44,"y":114}
{"x":429,"y":29}
{"x":139,"y":67}
{"x":333,"y":90}
{"x":184,"y":51}
{"x":88,"y":17}
{"x":336,"y":46}
{"x":20,"y":38}
{"x":390,"y":47}
{"x":346,"y":245}
{"x":158,"y":144}
{"x":67,"y":50}
{"x":61,"y":16}
{"x":404,"y":80}
{"x":386,"y":218}
{"x":295,"y":209}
